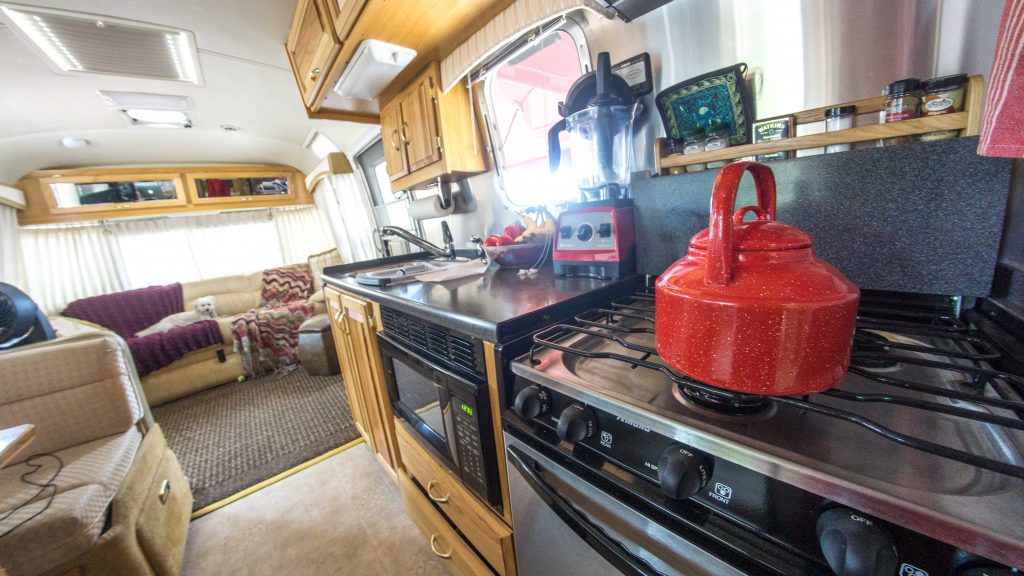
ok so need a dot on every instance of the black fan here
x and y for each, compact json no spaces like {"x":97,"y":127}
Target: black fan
{"x":21,"y":321}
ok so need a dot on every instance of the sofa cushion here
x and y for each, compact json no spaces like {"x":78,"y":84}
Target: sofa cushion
{"x":232,"y":294}
{"x":68,"y":527}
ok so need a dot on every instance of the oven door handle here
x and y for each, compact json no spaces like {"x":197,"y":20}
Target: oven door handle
{"x":610,"y":549}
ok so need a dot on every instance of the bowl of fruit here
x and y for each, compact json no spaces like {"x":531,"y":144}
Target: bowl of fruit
{"x":520,"y":245}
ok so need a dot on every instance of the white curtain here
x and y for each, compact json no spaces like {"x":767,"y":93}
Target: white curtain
{"x":67,"y":262}
{"x":11,"y":269}
{"x":346,"y":207}
{"x":70,"y":262}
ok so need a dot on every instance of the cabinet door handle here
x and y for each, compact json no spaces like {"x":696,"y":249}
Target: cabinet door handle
{"x":405,"y":133}
{"x":314,"y":74}
{"x":394,"y":144}
{"x":343,"y":320}
{"x":433,"y":548}
{"x":438,"y":499}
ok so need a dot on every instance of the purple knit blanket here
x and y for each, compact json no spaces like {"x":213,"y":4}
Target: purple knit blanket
{"x":128,"y":312}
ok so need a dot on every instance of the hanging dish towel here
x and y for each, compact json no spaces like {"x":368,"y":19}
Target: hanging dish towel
{"x":1001,"y":128}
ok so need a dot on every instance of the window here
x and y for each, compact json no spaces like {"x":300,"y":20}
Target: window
{"x":522,"y":94}
{"x":388,"y":209}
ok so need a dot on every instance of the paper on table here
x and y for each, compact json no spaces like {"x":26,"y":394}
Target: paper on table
{"x":455,"y":271}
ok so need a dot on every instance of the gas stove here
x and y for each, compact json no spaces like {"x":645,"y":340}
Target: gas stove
{"x":916,"y":458}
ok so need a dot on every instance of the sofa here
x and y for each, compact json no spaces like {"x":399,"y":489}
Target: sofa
{"x":119,"y":502}
{"x":215,"y":365}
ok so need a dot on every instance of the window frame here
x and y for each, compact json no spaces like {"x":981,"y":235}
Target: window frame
{"x":486,"y":74}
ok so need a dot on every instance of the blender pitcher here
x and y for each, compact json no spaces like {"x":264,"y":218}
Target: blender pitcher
{"x":601,"y":145}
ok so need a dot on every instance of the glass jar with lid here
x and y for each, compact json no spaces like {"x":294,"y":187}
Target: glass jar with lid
{"x":693,"y":142}
{"x":902,"y":103}
{"x":939,"y":96}
{"x":716,"y":137}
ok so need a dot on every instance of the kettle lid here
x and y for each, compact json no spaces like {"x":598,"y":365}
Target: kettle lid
{"x":760,"y":235}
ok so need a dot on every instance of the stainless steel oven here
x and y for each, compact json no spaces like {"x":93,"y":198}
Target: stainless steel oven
{"x":437,"y":384}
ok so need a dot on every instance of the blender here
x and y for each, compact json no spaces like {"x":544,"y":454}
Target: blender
{"x":594,"y":237}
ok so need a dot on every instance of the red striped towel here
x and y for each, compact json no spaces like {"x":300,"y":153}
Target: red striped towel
{"x":1002,"y":128}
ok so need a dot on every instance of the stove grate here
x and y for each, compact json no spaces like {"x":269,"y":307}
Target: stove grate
{"x":635,"y":315}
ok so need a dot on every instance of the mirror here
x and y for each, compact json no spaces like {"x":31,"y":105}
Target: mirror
{"x":229,"y":187}
{"x":72,"y":194}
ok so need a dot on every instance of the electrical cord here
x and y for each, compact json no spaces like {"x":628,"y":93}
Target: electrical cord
{"x":49,"y":484}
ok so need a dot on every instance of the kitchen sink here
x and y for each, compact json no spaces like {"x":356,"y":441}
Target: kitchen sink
{"x":405,"y":271}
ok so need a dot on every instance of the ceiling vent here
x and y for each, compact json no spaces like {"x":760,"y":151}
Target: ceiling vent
{"x":78,"y":43}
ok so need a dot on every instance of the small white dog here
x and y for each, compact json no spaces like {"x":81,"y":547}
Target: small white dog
{"x":203,"y":310}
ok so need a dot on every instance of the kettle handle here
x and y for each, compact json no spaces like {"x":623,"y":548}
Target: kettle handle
{"x":723,"y":198}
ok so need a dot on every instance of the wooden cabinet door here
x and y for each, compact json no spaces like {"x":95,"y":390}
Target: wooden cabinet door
{"x":394,"y":147}
{"x":344,"y":14}
{"x":362,"y":336}
{"x":347,"y":359}
{"x":419,"y":127}
{"x":311,"y":48}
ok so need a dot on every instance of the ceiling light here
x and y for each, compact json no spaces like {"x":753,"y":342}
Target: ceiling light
{"x":373,"y":67}
{"x":144,"y":100}
{"x":229,"y":128}
{"x":158,"y":118}
{"x":74,"y":142}
{"x":320,"y":145}
{"x":90,"y":44}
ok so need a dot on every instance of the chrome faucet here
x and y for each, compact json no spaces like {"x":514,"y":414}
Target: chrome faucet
{"x":446,"y":234}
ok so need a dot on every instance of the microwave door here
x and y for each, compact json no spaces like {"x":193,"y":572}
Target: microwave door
{"x":421,"y":401}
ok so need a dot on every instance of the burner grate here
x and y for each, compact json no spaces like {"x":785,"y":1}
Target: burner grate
{"x":635,"y":315}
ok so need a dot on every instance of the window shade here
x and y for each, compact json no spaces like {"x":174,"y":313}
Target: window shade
{"x":504,"y":28}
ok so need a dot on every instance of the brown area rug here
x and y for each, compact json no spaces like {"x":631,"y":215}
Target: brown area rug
{"x":236,"y":435}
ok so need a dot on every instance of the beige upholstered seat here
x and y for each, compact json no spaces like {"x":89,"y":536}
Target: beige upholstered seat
{"x":102,"y":460}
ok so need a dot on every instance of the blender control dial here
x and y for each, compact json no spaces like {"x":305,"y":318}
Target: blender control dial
{"x":584,"y":232}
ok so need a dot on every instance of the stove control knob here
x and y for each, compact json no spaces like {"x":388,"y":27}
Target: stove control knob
{"x":683,"y":471}
{"x":576,"y":423}
{"x":584,"y":232}
{"x":855,"y":545}
{"x":532,"y":401}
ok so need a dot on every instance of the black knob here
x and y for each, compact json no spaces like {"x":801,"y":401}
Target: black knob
{"x":855,"y":545}
{"x":682,"y":471}
{"x":584,"y":232}
{"x":576,"y":423}
{"x":532,"y":401}
{"x":565,"y":231}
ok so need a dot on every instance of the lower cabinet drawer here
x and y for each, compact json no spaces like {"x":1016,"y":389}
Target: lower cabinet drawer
{"x":446,"y":543}
{"x":491,"y":537}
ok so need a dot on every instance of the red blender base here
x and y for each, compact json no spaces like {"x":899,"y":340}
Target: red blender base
{"x":596,"y":240}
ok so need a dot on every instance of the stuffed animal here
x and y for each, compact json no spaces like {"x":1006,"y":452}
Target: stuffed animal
{"x":203,"y":310}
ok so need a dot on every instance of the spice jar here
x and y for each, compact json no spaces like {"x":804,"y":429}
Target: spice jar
{"x":839,"y":118}
{"x":716,"y":138}
{"x":943,"y":95}
{"x":693,"y":143}
{"x":902,"y":103}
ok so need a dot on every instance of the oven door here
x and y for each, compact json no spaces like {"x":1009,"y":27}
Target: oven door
{"x":419,"y":395}
{"x":567,"y":525}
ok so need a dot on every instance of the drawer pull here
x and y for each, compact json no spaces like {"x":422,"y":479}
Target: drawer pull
{"x":433,"y":548}
{"x":438,"y":499}
{"x":165,"y":491}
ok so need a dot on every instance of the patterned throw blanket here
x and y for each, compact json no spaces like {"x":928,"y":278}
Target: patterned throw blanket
{"x":128,"y":312}
{"x":267,"y":337}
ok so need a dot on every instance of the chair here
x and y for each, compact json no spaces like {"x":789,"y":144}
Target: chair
{"x":118,"y":502}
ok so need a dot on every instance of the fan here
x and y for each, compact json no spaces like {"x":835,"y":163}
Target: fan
{"x":21,"y":321}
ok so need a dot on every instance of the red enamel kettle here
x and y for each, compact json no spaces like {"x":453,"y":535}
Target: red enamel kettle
{"x":751,"y":308}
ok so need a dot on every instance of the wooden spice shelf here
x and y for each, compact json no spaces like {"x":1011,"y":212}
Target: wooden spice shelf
{"x":968,"y":123}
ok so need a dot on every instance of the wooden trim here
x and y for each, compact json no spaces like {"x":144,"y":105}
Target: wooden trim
{"x":955,"y":121}
{"x":499,"y":439}
{"x":974,"y":99}
{"x":322,"y":114}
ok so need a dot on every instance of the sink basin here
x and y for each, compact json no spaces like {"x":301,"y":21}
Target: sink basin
{"x":404,"y":272}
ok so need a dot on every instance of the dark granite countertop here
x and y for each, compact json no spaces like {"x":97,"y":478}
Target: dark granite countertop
{"x":497,"y":306}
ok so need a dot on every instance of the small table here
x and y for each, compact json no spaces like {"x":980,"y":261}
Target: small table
{"x":13,"y":440}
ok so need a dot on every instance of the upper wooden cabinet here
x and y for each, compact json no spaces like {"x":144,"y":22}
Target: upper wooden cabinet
{"x":312,"y":47}
{"x":428,"y":134}
{"x":105,"y":193}
{"x":433,"y":28}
